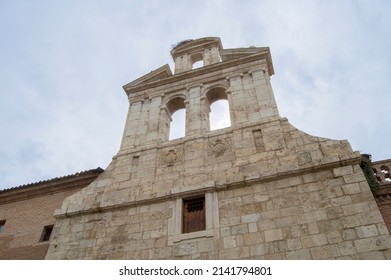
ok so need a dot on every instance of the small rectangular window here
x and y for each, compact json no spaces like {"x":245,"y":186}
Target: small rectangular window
{"x":194,"y":215}
{"x":2,"y":223}
{"x":135,"y":161}
{"x":46,"y":233}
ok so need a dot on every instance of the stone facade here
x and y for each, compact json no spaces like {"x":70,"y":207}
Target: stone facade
{"x":26,"y":210}
{"x":270,"y":190}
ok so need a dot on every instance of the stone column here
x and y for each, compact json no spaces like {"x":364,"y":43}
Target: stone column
{"x":132,"y":119}
{"x":264,"y":93}
{"x":164,"y":124}
{"x":237,"y":100}
{"x":211,"y":55}
{"x":182,"y":64}
{"x":153,"y":119}
{"x":194,"y":122}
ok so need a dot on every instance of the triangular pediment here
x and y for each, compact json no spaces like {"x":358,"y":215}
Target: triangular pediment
{"x":158,"y":74}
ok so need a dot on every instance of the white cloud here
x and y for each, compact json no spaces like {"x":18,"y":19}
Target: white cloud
{"x":219,"y":115}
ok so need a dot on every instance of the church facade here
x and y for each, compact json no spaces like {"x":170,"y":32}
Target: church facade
{"x":258,"y":189}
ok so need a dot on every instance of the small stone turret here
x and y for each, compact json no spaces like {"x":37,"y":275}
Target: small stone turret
{"x":186,"y":53}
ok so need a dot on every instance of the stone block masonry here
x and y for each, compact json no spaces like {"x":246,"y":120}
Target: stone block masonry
{"x":268,"y":190}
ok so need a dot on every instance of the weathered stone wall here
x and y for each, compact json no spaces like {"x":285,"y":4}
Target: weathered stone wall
{"x":277,"y":203}
{"x":271,"y":191}
{"x":317,"y":215}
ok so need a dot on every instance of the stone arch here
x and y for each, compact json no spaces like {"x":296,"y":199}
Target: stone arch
{"x":218,"y":107}
{"x":216,"y":93}
{"x":176,"y":103}
{"x":197,"y":60}
{"x":173,"y":117}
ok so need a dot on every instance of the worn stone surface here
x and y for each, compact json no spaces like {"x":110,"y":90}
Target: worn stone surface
{"x":271,"y":191}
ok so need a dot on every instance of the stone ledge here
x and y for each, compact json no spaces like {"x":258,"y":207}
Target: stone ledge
{"x":210,"y":186}
{"x":192,"y":235}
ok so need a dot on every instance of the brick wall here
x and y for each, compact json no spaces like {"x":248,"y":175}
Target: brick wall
{"x":385,"y":210}
{"x":381,"y":170}
{"x":27,"y":209}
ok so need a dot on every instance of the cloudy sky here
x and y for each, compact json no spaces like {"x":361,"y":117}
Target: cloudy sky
{"x":63,"y":65}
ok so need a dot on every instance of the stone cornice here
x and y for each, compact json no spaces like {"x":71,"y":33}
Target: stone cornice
{"x":196,"y":45}
{"x":157,"y":74}
{"x":264,"y":54}
{"x":384,"y":161}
